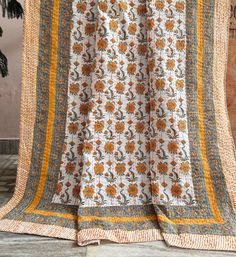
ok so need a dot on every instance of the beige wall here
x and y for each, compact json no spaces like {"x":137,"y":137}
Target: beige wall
{"x":11,"y":46}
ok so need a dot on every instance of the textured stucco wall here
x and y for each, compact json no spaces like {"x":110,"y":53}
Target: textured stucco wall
{"x":11,"y":46}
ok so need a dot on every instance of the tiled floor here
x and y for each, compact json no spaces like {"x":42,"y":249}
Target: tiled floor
{"x":14,"y":245}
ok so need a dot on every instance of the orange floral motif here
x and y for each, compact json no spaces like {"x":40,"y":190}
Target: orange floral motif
{"x":88,"y":192}
{"x":112,"y":66}
{"x":74,"y":89}
{"x":162,"y":167}
{"x":73,"y":128}
{"x":88,"y":147}
{"x":109,"y":147}
{"x":99,"y":168}
{"x":76,"y":191}
{"x":130,"y":147}
{"x":81,"y":7}
{"x":176,"y":190}
{"x":70,"y":168}
{"x":154,"y":189}
{"x":132,"y":28}
{"x":173,"y":147}
{"x":113,"y":25}
{"x":99,"y":86}
{"x":159,"y":5}
{"x":185,"y":167}
{"x":120,"y":168}
{"x":109,"y":107}
{"x":141,"y":168}
{"x":98,"y":126}
{"x":102,"y":44}
{"x":102,"y":6}
{"x":111,"y":191}
{"x":119,"y":127}
{"x":133,"y":190}
{"x":89,"y":28}
{"x":77,"y":48}
{"x":131,"y":68}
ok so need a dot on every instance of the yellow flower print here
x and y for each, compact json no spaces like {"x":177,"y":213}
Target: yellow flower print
{"x":120,"y":88}
{"x":179,"y":6}
{"x":130,"y":147}
{"x":89,"y":28}
{"x":88,"y":192}
{"x":98,"y":168}
{"x":98,"y":126}
{"x":73,"y":128}
{"x":162,"y":167}
{"x":160,"y":43}
{"x":173,"y":147}
{"x":120,"y":168}
{"x":171,"y":105}
{"x":102,"y":6}
{"x":131,"y":68}
{"x":109,"y":148}
{"x":130,"y":108}
{"x":88,"y":148}
{"x":170,"y":64}
{"x":159,"y":5}
{"x":102,"y":44}
{"x":74,"y":89}
{"x":123,"y":6}
{"x":179,"y":84}
{"x":161,"y":125}
{"x":112,"y":66}
{"x":109,"y":107}
{"x":182,"y":125}
{"x":132,"y":28}
{"x":180,"y":45}
{"x":185,"y":167}
{"x":111,"y":191}
{"x":139,"y":127}
{"x":176,"y":190}
{"x":113,"y":25}
{"x":160,"y":84}
{"x":81,"y":7}
{"x":169,"y":25}
{"x":99,"y":86}
{"x":122,"y":47}
{"x":133,"y":190}
{"x":119,"y":127}
{"x":77,"y":48}
{"x":141,"y":168}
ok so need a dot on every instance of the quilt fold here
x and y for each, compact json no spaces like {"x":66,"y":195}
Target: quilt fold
{"x":125,"y":134}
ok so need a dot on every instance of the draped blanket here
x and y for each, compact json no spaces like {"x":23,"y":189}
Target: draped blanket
{"x":125,"y":133}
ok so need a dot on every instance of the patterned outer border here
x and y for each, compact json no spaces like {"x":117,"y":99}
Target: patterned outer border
{"x":224,"y":133}
{"x":28,"y":100}
{"x":27,"y":123}
{"x":28,"y":111}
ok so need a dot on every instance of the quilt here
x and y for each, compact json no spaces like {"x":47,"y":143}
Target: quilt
{"x":124,"y":133}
